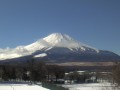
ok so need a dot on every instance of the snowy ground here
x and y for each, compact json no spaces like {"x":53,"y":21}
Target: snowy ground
{"x":91,"y":86}
{"x":21,"y":87}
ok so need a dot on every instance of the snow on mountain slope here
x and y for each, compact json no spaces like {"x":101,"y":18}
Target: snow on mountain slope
{"x":47,"y":43}
{"x":38,"y":45}
{"x":40,"y":55}
{"x":63,"y":40}
{"x":59,"y":40}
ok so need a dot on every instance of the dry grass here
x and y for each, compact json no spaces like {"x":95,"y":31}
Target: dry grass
{"x":84,"y":64}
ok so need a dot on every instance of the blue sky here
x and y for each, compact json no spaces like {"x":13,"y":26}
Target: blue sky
{"x":93,"y":22}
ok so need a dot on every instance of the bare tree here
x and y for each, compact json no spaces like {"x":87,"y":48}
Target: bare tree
{"x":116,"y":74}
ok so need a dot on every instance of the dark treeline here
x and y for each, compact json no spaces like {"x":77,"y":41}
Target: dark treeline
{"x":38,"y":71}
{"x":32,"y":71}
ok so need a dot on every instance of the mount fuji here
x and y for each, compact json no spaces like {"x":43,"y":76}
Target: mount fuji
{"x":57,"y":47}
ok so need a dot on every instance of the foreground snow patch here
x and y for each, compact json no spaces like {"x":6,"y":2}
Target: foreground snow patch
{"x":93,"y":86}
{"x":21,"y":87}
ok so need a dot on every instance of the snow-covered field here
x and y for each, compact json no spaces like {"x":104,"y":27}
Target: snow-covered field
{"x":21,"y":87}
{"x":91,"y":86}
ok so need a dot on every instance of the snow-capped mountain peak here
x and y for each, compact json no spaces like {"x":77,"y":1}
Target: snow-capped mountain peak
{"x":60,"y":40}
{"x":58,"y":37}
{"x":51,"y":41}
{"x":63,"y":40}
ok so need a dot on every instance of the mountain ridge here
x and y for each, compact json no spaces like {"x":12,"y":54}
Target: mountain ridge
{"x":56,"y":46}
